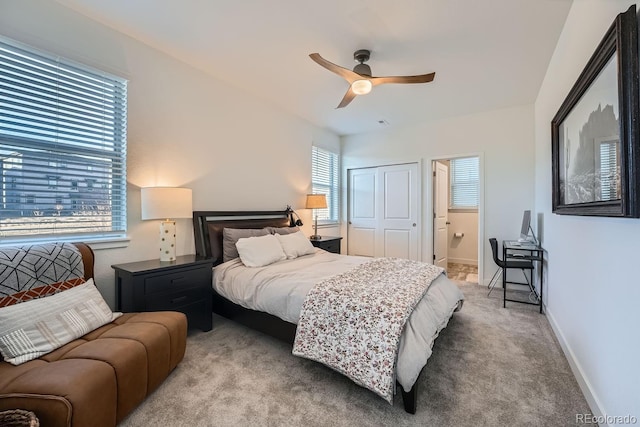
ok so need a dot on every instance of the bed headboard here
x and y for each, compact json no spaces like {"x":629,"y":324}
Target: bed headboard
{"x":208,"y":226}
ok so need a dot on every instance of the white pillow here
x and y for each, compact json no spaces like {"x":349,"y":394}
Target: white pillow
{"x":34,"y":328}
{"x":295,"y":244}
{"x":260,"y":251}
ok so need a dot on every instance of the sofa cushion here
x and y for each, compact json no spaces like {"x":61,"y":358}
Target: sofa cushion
{"x":176,"y":325}
{"x":37,"y":327}
{"x":129,"y":361}
{"x":157,"y":343}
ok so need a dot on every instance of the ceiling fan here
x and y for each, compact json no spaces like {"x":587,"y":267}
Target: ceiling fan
{"x":360,"y":79}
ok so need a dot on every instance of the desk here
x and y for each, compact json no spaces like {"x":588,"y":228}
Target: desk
{"x":512,"y":250}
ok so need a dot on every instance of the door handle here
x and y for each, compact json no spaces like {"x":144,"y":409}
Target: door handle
{"x":349,"y":222}
{"x":414,"y":224}
{"x":447,"y":223}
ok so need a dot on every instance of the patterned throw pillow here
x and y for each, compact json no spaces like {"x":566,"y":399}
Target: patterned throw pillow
{"x":34,"y":328}
{"x":35,"y":271}
{"x":40,"y":292}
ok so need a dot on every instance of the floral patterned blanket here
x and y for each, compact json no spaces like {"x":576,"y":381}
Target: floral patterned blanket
{"x":352,"y":322}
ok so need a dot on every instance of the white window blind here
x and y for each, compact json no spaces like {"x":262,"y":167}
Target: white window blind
{"x":609,"y":176}
{"x":464,"y":182}
{"x":324,"y":180}
{"x":62,"y":147}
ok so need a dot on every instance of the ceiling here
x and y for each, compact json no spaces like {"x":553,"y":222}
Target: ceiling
{"x":487,"y":54}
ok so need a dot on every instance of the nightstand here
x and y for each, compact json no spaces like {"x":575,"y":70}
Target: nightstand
{"x":182,"y":285}
{"x":328,"y":243}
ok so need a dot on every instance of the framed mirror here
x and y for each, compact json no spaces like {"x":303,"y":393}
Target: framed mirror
{"x":594,"y":135}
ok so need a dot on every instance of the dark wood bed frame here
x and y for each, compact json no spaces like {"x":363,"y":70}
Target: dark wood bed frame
{"x":208,"y":226}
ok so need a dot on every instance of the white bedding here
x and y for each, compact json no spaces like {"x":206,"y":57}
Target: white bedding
{"x":280,"y":288}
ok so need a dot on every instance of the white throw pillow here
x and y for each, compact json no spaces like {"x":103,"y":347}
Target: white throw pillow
{"x":34,"y":328}
{"x":260,"y":251}
{"x":295,"y":244}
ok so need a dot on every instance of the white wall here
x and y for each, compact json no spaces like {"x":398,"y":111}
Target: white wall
{"x":463,"y":250}
{"x":502,"y":138}
{"x":184,"y":129}
{"x":593,"y":288}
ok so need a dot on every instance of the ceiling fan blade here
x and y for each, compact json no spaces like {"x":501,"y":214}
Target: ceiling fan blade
{"x":422,"y":78}
{"x":348,"y":97}
{"x":345,"y":73}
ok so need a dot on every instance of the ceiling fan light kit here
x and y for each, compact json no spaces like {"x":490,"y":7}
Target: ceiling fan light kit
{"x":360,"y":79}
{"x":361,"y":87}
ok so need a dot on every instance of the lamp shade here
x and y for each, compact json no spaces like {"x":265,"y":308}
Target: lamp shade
{"x":316,"y":201}
{"x":166,"y":202}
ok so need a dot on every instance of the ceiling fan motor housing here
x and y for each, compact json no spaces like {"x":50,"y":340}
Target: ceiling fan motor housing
{"x":362,"y":69}
{"x":362,"y":56}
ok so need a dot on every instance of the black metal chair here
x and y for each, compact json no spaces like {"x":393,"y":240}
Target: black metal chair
{"x":523,"y":265}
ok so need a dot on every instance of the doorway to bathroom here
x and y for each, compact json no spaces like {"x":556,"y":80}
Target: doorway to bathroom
{"x":457,"y":210}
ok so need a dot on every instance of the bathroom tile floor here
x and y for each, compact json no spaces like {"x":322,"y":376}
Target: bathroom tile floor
{"x":464,"y":272}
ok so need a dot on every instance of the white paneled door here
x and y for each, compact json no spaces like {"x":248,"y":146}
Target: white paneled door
{"x":440,"y":214}
{"x":383,"y":211}
{"x":363,"y":212}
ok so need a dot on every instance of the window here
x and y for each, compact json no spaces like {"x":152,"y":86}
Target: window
{"x":324,"y":180}
{"x":464,"y":182}
{"x":609,"y":174}
{"x":53,"y":181}
{"x":61,"y":123}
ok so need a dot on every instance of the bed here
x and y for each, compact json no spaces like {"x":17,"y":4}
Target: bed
{"x":283,"y":286}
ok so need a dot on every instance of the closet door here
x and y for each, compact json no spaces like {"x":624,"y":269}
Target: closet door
{"x":383,"y":211}
{"x":363,"y":219}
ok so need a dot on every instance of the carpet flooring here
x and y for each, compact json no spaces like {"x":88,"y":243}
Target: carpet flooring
{"x":490,"y":367}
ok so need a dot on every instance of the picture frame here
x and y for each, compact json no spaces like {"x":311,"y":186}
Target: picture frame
{"x":595,"y":133}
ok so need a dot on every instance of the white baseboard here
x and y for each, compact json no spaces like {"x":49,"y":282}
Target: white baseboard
{"x":464,"y":261}
{"x":583,"y":381}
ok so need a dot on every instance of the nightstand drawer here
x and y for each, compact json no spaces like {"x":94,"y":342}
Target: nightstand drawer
{"x":175,"y":300}
{"x":186,"y":278}
{"x":333,"y":246}
{"x":329,"y":244}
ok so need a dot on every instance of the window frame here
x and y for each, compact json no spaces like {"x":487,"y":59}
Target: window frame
{"x":331,"y":189}
{"x":455,"y":184}
{"x":30,"y":74}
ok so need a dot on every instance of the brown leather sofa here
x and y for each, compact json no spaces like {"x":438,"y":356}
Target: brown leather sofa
{"x":98,"y":379}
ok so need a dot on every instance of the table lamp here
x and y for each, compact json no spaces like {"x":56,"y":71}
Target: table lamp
{"x":166,"y":203}
{"x":316,"y":201}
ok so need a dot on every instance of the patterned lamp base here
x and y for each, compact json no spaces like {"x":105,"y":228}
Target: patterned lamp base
{"x":168,"y":241}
